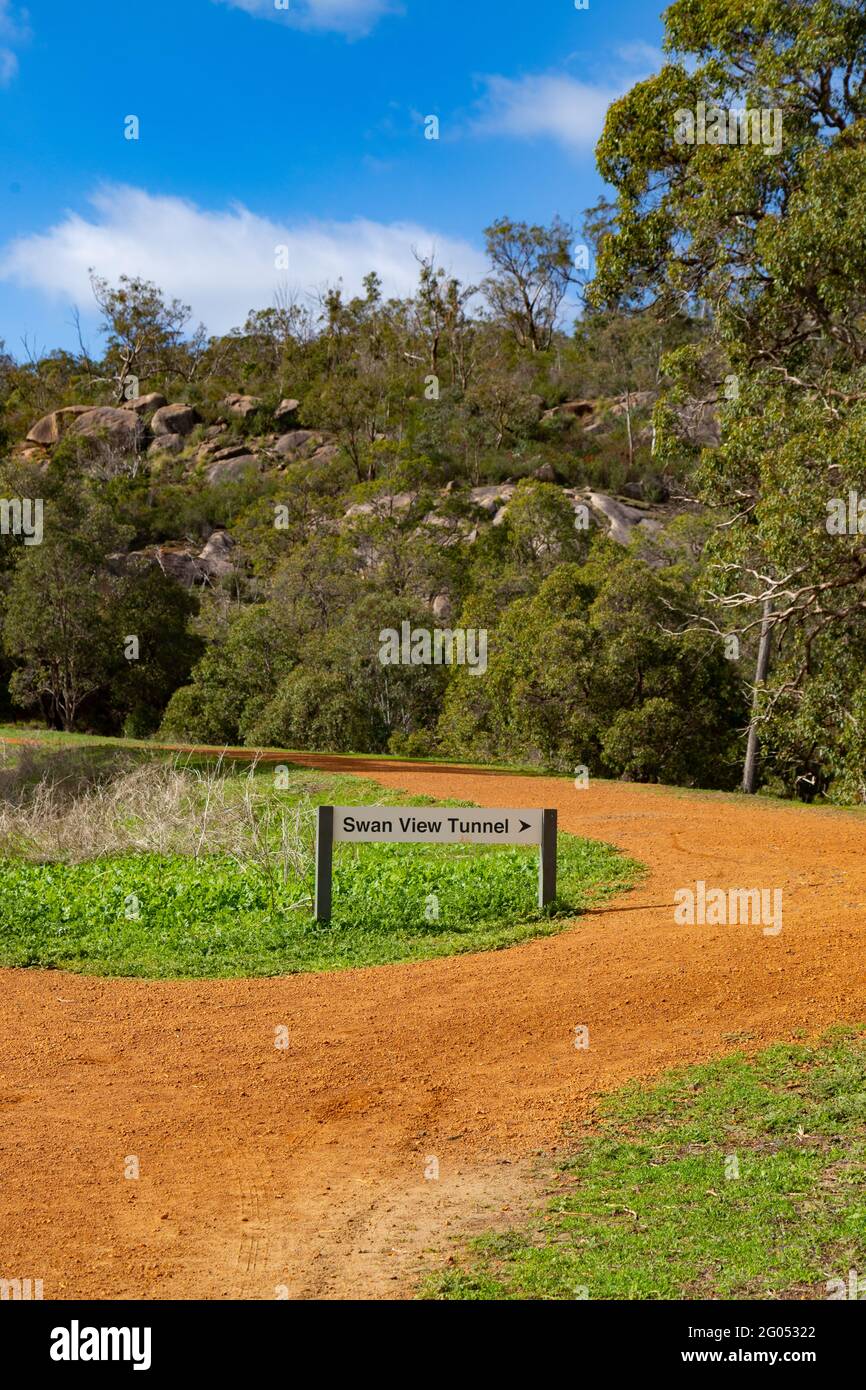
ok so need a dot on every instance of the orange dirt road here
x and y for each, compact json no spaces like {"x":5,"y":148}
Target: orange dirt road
{"x":300,"y":1173}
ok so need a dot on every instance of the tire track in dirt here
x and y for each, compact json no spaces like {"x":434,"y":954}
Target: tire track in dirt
{"x":471,"y":1060}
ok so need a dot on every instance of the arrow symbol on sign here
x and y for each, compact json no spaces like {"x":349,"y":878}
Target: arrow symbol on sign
{"x":524,"y":825}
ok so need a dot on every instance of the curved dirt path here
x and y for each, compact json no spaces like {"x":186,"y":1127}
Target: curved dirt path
{"x":301,"y":1172}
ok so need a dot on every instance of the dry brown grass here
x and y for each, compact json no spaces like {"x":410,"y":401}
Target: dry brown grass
{"x":64,"y":806}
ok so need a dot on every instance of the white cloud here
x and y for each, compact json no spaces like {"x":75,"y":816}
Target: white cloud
{"x":569,"y":111}
{"x":13,"y":22}
{"x":557,"y":106}
{"x":8,"y":66}
{"x":351,"y":17}
{"x":221,"y":263}
{"x":13,"y":32}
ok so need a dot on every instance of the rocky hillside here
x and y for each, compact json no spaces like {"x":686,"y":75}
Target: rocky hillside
{"x":232,"y":522}
{"x":162,"y":438}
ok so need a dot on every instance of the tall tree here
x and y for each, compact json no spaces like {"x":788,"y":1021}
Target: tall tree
{"x":532,"y":269}
{"x":740,"y":172}
{"x":142,"y":328}
{"x":58,"y":627}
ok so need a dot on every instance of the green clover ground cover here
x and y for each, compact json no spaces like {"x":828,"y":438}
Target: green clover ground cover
{"x":741,"y":1179}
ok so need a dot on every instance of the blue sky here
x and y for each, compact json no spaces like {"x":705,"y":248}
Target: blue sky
{"x":263,"y":127}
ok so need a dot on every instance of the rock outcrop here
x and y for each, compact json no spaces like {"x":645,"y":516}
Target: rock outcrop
{"x":326,"y":453}
{"x":576,"y":409}
{"x":216,"y":558}
{"x":545,"y":473}
{"x":174,"y":419}
{"x":231,"y":470}
{"x":698,"y":423}
{"x":620,"y":517}
{"x":237,"y":404}
{"x":215,"y":451}
{"x":166,"y":444}
{"x":180,"y":562}
{"x":492,"y":496}
{"x":635,"y":400}
{"x":121,"y":428}
{"x":298,"y":444}
{"x":142,"y":404}
{"x":51,"y":428}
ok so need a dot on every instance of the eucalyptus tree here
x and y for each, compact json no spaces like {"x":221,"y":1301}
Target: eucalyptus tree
{"x":740,"y":175}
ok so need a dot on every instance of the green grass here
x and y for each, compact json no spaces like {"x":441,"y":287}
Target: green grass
{"x":212,"y":917}
{"x":175,"y":916}
{"x":53,"y":738}
{"x":650,"y":1209}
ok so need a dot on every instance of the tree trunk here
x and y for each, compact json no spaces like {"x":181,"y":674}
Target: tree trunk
{"x":750,"y":767}
{"x":628,"y":427}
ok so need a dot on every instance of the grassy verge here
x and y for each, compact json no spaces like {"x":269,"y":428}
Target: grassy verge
{"x":53,"y":738}
{"x":741,"y":1179}
{"x":240,"y":903}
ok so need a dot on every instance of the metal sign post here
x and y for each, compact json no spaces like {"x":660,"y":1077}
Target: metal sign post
{"x":324,"y":862}
{"x":433,"y":825}
{"x":547,"y":860}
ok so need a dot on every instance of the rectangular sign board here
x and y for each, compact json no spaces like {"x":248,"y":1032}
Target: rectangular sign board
{"x":437,"y":825}
{"x":432,"y":825}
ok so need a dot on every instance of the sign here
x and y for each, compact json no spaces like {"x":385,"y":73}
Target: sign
{"x":436,"y":825}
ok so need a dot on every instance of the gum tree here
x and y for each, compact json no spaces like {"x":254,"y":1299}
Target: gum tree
{"x":532,"y":272}
{"x":769,"y":236}
{"x":143,"y":330}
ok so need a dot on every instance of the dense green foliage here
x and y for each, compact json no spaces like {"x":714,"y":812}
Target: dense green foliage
{"x":770,"y":236}
{"x":740,"y":1179}
{"x":584,"y":672}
